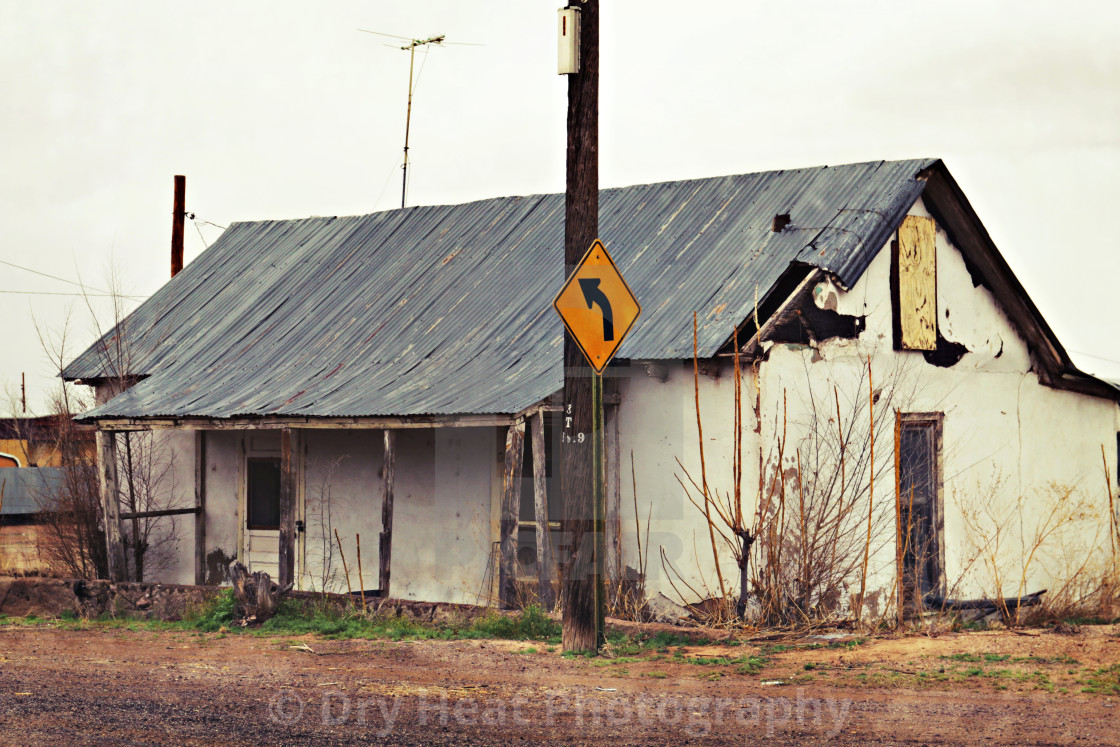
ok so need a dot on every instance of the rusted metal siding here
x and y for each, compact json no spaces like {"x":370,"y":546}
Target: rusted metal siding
{"x":446,"y":309}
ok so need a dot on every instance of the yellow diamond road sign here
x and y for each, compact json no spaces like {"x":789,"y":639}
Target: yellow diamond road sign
{"x":597,"y":306}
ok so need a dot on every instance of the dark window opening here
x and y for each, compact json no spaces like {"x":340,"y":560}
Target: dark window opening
{"x":919,"y":482}
{"x":264,"y":493}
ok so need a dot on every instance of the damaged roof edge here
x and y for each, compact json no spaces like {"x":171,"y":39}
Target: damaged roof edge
{"x":948,"y":204}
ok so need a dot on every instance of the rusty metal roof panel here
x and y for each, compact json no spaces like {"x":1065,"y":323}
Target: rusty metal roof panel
{"x":447,"y":309}
{"x":29,"y":490}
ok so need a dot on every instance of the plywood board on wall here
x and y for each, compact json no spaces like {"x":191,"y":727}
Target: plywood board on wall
{"x":917,"y":283}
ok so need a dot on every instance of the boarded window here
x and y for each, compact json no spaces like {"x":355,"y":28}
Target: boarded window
{"x":914,"y":284}
{"x":919,"y":484}
{"x":264,"y":493}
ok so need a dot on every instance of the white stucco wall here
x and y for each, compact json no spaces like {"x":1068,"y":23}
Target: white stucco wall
{"x":1010,"y":444}
{"x":1008,"y":441}
{"x":657,"y":424}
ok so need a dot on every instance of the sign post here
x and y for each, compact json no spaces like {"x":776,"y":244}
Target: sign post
{"x":598,"y":309}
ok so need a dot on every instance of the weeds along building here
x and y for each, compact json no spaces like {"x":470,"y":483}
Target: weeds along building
{"x":301,"y":371}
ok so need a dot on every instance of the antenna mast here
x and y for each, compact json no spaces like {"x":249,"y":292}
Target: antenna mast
{"x":411,"y":47}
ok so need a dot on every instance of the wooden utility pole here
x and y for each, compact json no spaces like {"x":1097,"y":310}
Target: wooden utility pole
{"x":582,"y":586}
{"x":178,"y":218}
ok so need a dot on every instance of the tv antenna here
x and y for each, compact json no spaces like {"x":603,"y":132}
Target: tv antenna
{"x":410,"y":47}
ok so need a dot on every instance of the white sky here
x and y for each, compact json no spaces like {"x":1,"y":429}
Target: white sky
{"x":284,"y":109}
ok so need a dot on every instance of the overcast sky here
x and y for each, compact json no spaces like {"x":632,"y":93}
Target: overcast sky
{"x":285,"y":109}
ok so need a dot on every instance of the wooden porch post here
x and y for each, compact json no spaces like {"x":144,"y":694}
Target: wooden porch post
{"x":511,"y":506}
{"x":200,"y":507}
{"x":545,"y":559}
{"x":613,"y":499}
{"x":110,"y":507}
{"x":386,"y":543}
{"x":287,"y":510}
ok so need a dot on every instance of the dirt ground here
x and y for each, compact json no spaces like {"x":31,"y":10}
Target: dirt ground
{"x":115,"y":686}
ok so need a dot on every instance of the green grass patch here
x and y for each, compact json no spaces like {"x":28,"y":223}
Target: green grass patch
{"x":961,"y":657}
{"x":1105,"y":681}
{"x":752,"y":665}
{"x":1045,"y":660}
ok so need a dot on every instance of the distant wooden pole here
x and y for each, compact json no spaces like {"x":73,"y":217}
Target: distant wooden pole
{"x":545,"y":558}
{"x":511,"y":505}
{"x":110,"y":506}
{"x":581,"y":228}
{"x":178,"y":219}
{"x":287,"y":509}
{"x":385,"y":551}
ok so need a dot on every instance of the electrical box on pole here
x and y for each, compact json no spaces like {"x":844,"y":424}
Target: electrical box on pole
{"x":568,"y":60}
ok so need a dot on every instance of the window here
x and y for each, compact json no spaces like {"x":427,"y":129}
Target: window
{"x":264,"y":493}
{"x":920,"y":509}
{"x":914,"y":284}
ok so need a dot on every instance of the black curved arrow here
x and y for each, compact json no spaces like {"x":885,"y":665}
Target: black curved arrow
{"x":592,"y":294}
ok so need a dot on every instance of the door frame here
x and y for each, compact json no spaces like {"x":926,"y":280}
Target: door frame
{"x":256,"y":450}
{"x":936,"y":420}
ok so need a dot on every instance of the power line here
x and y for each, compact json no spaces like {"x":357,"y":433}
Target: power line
{"x":79,"y":295}
{"x":54,"y":277}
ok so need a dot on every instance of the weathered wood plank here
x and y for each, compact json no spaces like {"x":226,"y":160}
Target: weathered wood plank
{"x":385,"y":551}
{"x":110,"y":505}
{"x":287,"y":509}
{"x":305,"y":423}
{"x":613,"y":518}
{"x":546,"y":561}
{"x":127,"y":515}
{"x":917,"y":283}
{"x":511,"y":505}
{"x":200,"y":507}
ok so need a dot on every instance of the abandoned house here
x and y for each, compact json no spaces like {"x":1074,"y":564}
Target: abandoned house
{"x":875,"y":387}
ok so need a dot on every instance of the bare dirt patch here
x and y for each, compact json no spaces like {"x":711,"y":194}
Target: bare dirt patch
{"x":92,"y":684}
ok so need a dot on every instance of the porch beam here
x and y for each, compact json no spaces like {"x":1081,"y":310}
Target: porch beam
{"x":511,"y":505}
{"x":546,"y":562}
{"x":303,"y":423}
{"x":128,"y":515}
{"x":287,"y":510}
{"x":385,"y":549}
{"x":110,"y":505}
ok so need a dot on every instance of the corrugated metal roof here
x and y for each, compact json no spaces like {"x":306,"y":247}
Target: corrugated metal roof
{"x":28,"y":490}
{"x":447,"y":309}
